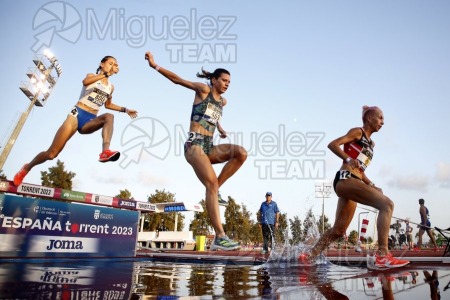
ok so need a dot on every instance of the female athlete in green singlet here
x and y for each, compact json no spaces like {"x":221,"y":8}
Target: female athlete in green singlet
{"x":199,"y":149}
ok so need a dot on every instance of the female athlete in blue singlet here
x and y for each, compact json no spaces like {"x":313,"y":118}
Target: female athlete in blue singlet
{"x":199,"y":149}
{"x":352,"y":186}
{"x":96,"y":92}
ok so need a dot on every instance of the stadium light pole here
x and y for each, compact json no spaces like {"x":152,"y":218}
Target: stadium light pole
{"x":323,"y":190}
{"x":42,"y":80}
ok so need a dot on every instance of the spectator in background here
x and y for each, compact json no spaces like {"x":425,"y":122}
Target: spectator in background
{"x":425,"y":225}
{"x":269,"y":215}
{"x":408,"y":232}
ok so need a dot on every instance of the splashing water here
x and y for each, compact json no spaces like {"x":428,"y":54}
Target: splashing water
{"x":286,"y":255}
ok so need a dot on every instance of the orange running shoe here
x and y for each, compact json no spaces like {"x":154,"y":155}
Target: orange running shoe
{"x":388,"y":262}
{"x":304,"y":259}
{"x":18,"y":178}
{"x":109,"y":155}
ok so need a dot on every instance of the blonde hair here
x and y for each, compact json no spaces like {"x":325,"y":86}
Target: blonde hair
{"x":368,"y":109}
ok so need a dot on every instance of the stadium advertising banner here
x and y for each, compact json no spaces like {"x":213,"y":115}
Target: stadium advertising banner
{"x":42,"y":228}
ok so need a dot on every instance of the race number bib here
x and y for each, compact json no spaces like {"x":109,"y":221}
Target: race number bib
{"x":192,"y":136}
{"x":74,"y":112}
{"x":344,"y":174}
{"x":213,"y":113}
{"x":364,"y":158}
{"x":98,"y":97}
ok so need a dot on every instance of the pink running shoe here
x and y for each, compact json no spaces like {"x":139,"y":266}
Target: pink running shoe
{"x":109,"y":155}
{"x":388,"y":262}
{"x":18,"y":178}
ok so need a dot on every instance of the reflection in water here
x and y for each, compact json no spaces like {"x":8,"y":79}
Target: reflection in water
{"x":277,"y":279}
{"x":65,"y":280}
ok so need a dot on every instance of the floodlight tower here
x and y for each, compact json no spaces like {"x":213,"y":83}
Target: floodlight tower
{"x":323,"y":190}
{"x":42,"y":79}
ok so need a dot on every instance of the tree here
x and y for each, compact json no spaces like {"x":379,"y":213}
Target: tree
{"x":310,"y":231}
{"x":319,"y":224}
{"x":296,"y":230}
{"x":154,"y":220}
{"x":234,"y":220}
{"x":280,"y":236}
{"x":256,"y":233}
{"x":124,"y":194}
{"x":353,"y":237}
{"x":246,"y":227}
{"x":57,"y":177}
{"x":201,"y":224}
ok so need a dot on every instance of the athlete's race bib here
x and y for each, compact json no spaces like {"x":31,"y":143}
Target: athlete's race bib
{"x":213,"y":113}
{"x":192,"y":136}
{"x":74,"y":112}
{"x":344,"y":174}
{"x":98,"y":97}
{"x":364,"y":158}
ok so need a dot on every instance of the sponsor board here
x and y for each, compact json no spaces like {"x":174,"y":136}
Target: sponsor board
{"x":65,"y":244}
{"x":29,"y":189}
{"x":193,"y":207}
{"x":145,"y":206}
{"x":43,"y":228}
{"x":127,"y":204}
{"x":173,"y":208}
{"x":99,"y":199}
{"x":71,"y":195}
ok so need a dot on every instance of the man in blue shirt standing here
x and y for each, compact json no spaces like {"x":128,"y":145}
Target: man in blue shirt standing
{"x":268,"y":221}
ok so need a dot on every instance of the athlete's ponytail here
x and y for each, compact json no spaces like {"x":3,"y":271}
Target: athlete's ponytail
{"x":208,"y":75}
{"x":102,"y":61}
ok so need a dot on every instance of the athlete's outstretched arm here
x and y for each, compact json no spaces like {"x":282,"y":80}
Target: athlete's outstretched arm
{"x":196,"y":86}
{"x":110,"y":105}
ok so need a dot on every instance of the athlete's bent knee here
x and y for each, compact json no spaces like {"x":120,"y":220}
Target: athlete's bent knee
{"x":51,"y":155}
{"x":389,"y":204}
{"x":242,"y":154}
{"x":212,"y":185}
{"x":109,"y":117}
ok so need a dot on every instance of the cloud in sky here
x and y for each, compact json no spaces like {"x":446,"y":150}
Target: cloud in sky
{"x":411,"y":182}
{"x":443,"y":174}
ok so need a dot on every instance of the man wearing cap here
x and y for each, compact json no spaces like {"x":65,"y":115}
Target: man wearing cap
{"x":269,"y":215}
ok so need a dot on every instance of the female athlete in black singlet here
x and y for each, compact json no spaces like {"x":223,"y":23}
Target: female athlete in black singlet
{"x":96,"y":92}
{"x":352,"y":186}
{"x":199,"y":149}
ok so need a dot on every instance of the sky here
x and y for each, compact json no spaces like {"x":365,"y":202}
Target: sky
{"x":300,"y":73}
